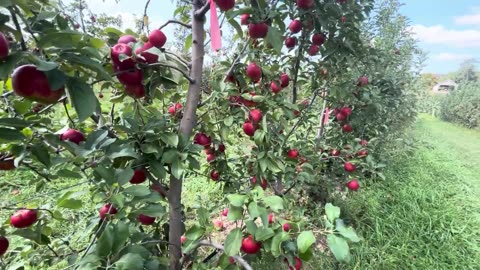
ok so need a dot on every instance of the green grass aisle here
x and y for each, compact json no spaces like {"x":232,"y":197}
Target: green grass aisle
{"x":426,"y":215}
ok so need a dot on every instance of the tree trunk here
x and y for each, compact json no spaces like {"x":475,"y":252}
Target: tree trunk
{"x":187,"y":124}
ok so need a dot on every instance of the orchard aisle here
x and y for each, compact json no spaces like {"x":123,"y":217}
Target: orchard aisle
{"x":426,"y":215}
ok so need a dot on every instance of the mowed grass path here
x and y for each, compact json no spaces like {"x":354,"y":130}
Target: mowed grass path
{"x":426,"y":215}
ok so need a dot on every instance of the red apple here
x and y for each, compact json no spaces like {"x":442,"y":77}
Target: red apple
{"x":341,"y":117}
{"x":138,"y":177}
{"x":7,"y":164}
{"x":346,"y":111}
{"x":72,"y":135}
{"x":313,"y":50}
{"x":264,"y":184}
{"x":107,"y":209}
{"x":210,"y":158}
{"x":347,"y":128}
{"x":362,"y":153}
{"x":363,"y":142}
{"x":134,"y":77}
{"x":125,"y":51}
{"x":4,"y":47}
{"x":353,"y":185}
{"x":175,"y":108}
{"x":215,"y":175}
{"x":257,"y":30}
{"x":202,"y":139}
{"x":297,"y":266}
{"x":135,"y":91}
{"x":221,"y":148}
{"x":255,"y":115}
{"x":318,"y":39}
{"x":305,"y":4}
{"x":183,"y":238}
{"x":253,"y":180}
{"x":334,"y":153}
{"x":362,"y":81}
{"x":254,"y":72}
{"x":271,"y":218}
{"x":31,"y":83}
{"x":284,"y":80}
{"x":3,"y":243}
{"x":127,"y":39}
{"x":295,"y":26}
{"x":290,"y":42}
{"x":286,"y":227}
{"x":231,"y":260}
{"x":225,"y":5}
{"x":225,"y":212}
{"x":146,"y":220}
{"x":342,"y":19}
{"x":292,"y":153}
{"x":250,"y":246}
{"x":349,"y":167}
{"x":275,"y":87}
{"x":157,"y":38}
{"x":249,"y":128}
{"x":245,"y":19}
{"x":24,"y":218}
{"x":145,"y":56}
{"x":218,"y":224}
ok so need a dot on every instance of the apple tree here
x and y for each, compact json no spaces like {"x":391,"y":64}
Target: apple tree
{"x":130,"y":119}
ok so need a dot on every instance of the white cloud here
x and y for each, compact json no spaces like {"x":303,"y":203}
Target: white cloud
{"x":451,"y":57}
{"x":438,"y":34}
{"x":473,"y":19}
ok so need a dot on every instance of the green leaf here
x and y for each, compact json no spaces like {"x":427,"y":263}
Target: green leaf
{"x":10,"y":135}
{"x":235,"y":213}
{"x":254,"y":210}
{"x":40,"y":151}
{"x":89,"y":64}
{"x":70,"y":204}
{"x":130,"y":261}
{"x":188,"y":42}
{"x":264,"y":233}
{"x":237,"y":27}
{"x":332,"y":212}
{"x":177,"y":169}
{"x":122,"y":234}
{"x":95,"y":138}
{"x":251,"y":227}
{"x":339,"y":248}
{"x":154,"y":210}
{"x":233,"y":242}
{"x":56,"y":79}
{"x":9,"y":63}
{"x":274,"y":202}
{"x":274,"y":38}
{"x":35,"y":236}
{"x":170,"y":139}
{"x":14,"y":122}
{"x":347,"y":232}
{"x":137,"y":191}
{"x":305,"y":240}
{"x":105,"y":242}
{"x":237,"y":199}
{"x":82,"y":97}
{"x":277,"y":241}
{"x":69,"y":174}
{"x":195,"y":233}
{"x":124,"y":150}
{"x":123,"y":176}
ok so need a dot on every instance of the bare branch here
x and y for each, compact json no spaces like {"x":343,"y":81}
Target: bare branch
{"x":238,"y":259}
{"x":19,"y":29}
{"x":177,"y":22}
{"x":203,"y":10}
{"x":145,"y":16}
{"x":173,"y":67}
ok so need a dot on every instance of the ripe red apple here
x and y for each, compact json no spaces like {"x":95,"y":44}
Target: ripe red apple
{"x":296,"y":113}
{"x":225,"y":5}
{"x":290,"y":42}
{"x":218,"y":224}
{"x":347,"y":128}
{"x":253,"y":180}
{"x":245,"y":19}
{"x":342,"y":19}
{"x":362,"y":153}
{"x":183,"y":238}
{"x":353,"y":185}
{"x":362,"y":81}
{"x":147,"y":57}
{"x":363,"y":142}
{"x":215,"y":175}
{"x":284,"y":80}
{"x":287,"y":227}
{"x":76,"y":26}
{"x":257,"y":30}
{"x":3,"y":245}
{"x":134,"y":77}
{"x":146,"y":220}
{"x":202,"y":139}
{"x":107,"y":209}
{"x":72,"y":135}
{"x":334,"y":153}
{"x":271,"y":218}
{"x":275,"y":87}
{"x":349,"y":167}
{"x":305,"y":4}
{"x":255,"y":115}
{"x":175,"y":108}
{"x":249,"y":128}
{"x":221,"y":148}
{"x":341,"y":117}
{"x":126,"y":51}
{"x":254,"y":72}
{"x":135,"y":90}
{"x":6,"y":163}
{"x":127,"y":39}
{"x":157,"y":38}
{"x":31,"y":83}
{"x":295,"y":26}
{"x":225,"y":212}
{"x":250,"y":246}
{"x":231,"y":260}
{"x":346,"y":110}
{"x":210,"y":158}
{"x":4,"y":47}
{"x":24,"y":218}
{"x":313,"y":50}
{"x":138,"y":177}
{"x":264,"y":184}
{"x":318,"y":39}
{"x":297,"y":266}
{"x":292,"y":153}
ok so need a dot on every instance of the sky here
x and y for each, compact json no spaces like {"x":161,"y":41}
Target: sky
{"x":447,"y":30}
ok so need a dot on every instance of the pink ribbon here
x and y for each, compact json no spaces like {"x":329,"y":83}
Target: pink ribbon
{"x":215,"y":28}
{"x":326,"y":116}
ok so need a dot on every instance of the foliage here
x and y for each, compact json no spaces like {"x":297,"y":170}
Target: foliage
{"x":462,"y":105}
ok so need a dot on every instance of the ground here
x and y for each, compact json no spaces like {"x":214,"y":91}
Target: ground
{"x":425,"y":215}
